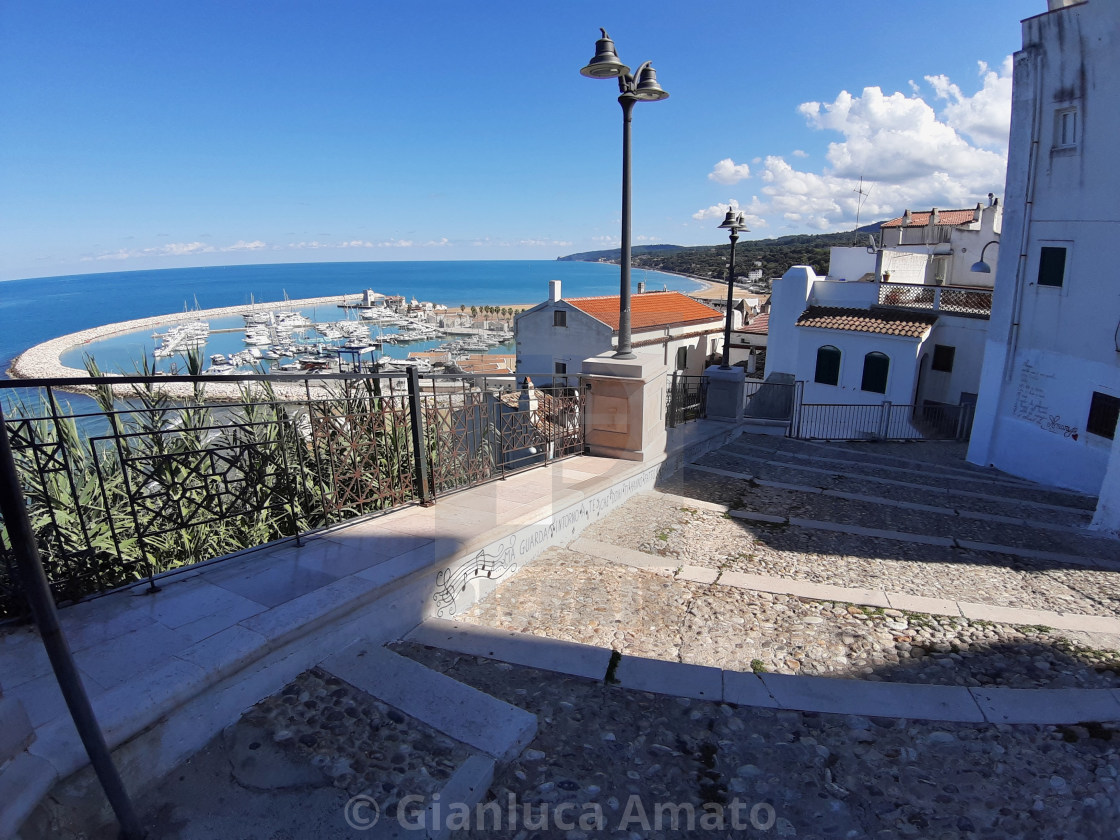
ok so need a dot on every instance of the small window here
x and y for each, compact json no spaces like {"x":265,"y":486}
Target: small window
{"x":943,"y":357}
{"x":1052,"y":266}
{"x":1104,"y":410}
{"x":876,"y":366}
{"x":1065,"y":128}
{"x":828,"y":365}
{"x":559,"y":318}
{"x":560,"y":368}
{"x":682,"y":358}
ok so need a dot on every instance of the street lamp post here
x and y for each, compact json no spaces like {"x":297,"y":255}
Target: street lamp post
{"x":640,"y":86}
{"x":733,"y":222}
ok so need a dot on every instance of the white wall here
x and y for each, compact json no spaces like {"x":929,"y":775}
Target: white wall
{"x":788,"y":299}
{"x":849,"y":263}
{"x":968,"y":336}
{"x":853,"y":346}
{"x":540,"y":345}
{"x":848,"y":295}
{"x":1050,"y":348}
{"x":905,"y":267}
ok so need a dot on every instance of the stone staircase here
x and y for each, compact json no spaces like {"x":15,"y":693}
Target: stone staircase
{"x":910,"y":493}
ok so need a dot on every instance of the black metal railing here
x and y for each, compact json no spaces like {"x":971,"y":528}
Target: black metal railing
{"x":882,"y":421}
{"x":147,"y":474}
{"x":770,"y":400}
{"x":685,"y":399}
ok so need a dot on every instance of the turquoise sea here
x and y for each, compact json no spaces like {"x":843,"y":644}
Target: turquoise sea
{"x":34,"y":310}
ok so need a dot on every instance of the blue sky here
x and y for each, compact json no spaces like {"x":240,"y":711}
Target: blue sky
{"x":140,"y":135}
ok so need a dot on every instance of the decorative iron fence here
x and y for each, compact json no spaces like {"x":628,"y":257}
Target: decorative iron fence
{"x":685,"y":399}
{"x":140,"y":483}
{"x":885,"y":421}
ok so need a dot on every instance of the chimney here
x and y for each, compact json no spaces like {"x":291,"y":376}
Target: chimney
{"x":641,"y":287}
{"x":991,"y":198}
{"x":978,"y":213}
{"x":935,"y":216}
{"x":553,"y":291}
{"x":906,"y":218}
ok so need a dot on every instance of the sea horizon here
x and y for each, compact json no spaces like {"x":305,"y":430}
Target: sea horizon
{"x":37,"y":309}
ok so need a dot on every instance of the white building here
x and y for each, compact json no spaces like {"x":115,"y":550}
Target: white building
{"x":927,"y":248}
{"x":557,"y":335}
{"x":1050,"y":392}
{"x":890,"y":322}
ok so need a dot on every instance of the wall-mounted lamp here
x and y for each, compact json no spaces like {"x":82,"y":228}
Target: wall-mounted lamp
{"x":981,"y":267}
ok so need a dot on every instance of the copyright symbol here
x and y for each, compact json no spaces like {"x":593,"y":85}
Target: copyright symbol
{"x":362,"y":812}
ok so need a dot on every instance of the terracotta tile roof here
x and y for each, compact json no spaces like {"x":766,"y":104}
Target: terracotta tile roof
{"x":885,"y":322}
{"x":649,"y":310}
{"x":920,"y":218}
{"x":666,"y":339}
{"x":759,"y":326}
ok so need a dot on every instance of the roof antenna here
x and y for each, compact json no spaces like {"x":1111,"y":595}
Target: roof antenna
{"x":862,"y":195}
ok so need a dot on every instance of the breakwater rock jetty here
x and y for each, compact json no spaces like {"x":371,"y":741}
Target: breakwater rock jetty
{"x":43,"y":361}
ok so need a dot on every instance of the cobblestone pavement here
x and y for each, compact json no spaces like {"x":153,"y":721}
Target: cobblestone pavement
{"x":574,"y":597}
{"x":287,"y":768}
{"x":675,"y":527}
{"x":614,"y":754}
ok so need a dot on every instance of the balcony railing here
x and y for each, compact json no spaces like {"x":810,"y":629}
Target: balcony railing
{"x":966,"y":301}
{"x":133,"y":482}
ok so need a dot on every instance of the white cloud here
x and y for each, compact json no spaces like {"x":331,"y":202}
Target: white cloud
{"x":798,"y":153}
{"x":177,"y":249}
{"x":242,"y":245}
{"x":984,"y":117}
{"x":729,"y":172}
{"x":908,"y":153}
{"x":543,"y":243}
{"x":719,"y":211}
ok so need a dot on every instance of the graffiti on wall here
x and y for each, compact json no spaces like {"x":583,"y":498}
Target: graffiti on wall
{"x":1031,"y":402}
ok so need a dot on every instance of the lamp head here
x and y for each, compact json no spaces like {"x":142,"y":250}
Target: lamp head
{"x":734,"y":221}
{"x":648,"y":90}
{"x":981,"y":267}
{"x":606,"y":63}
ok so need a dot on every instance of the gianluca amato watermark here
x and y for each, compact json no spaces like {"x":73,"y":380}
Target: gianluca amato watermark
{"x":418,"y":813}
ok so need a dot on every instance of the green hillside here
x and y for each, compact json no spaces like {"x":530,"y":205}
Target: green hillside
{"x":773,"y":256}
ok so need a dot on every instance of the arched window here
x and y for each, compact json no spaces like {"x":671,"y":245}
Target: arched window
{"x":828,"y":365}
{"x":875,"y":369}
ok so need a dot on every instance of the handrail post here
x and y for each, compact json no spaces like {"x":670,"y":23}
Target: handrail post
{"x":37,"y":590}
{"x":419,"y":448}
{"x":885,"y":420}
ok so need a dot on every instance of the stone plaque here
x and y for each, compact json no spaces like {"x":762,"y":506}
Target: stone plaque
{"x":611,"y":414}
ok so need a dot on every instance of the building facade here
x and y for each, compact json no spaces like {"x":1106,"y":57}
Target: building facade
{"x":556,"y":336}
{"x":1050,"y":390}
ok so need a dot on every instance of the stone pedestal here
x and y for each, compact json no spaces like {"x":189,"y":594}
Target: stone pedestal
{"x":726,"y":393}
{"x":626,"y":407}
